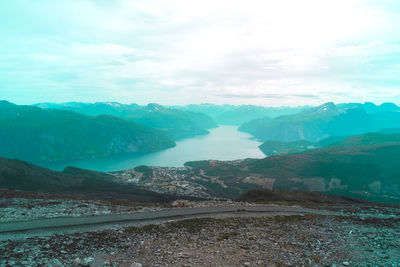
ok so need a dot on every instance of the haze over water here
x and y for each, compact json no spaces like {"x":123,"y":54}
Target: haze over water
{"x":222,"y":143}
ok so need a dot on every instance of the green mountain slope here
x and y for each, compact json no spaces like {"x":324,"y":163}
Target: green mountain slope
{"x":273,"y":148}
{"x":174,"y":123}
{"x":371,"y":172}
{"x":36,"y":134}
{"x":369,"y":139}
{"x":364,"y":166}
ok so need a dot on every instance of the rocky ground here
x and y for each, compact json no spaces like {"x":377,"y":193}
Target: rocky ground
{"x":361,"y":235}
{"x":311,"y":240}
{"x":19,"y":209}
{"x":23,"y":209}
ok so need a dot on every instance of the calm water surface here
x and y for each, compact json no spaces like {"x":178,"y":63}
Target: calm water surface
{"x":222,"y":143}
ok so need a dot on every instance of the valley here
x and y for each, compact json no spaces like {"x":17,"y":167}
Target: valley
{"x":222,"y":143}
{"x":223,"y":164}
{"x":205,"y":189}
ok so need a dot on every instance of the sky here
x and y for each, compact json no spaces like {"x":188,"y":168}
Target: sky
{"x":262,"y":52}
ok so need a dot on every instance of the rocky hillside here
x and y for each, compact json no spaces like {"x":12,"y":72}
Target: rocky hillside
{"x":362,"y":239}
{"x":35,"y":134}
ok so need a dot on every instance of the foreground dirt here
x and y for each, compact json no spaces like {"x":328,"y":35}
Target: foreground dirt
{"x":369,"y":236}
{"x":310,"y":240}
{"x":16,"y":206}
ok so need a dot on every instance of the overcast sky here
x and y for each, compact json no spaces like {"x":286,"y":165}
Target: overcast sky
{"x":182,"y":51}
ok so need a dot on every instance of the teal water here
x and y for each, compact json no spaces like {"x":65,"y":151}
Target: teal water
{"x":222,"y":143}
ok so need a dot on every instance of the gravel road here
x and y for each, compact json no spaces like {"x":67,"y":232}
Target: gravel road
{"x":61,"y":225}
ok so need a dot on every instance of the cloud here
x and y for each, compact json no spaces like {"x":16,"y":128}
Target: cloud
{"x":275,"y":96}
{"x":178,"y":51}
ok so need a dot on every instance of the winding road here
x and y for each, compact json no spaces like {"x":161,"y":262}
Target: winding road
{"x":60,"y":225}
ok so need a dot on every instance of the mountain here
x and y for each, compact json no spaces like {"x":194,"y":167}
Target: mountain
{"x":390,"y":131}
{"x":371,"y":108}
{"x":274,"y":148}
{"x":236,"y":115}
{"x":349,"y":168}
{"x":314,"y":124}
{"x":364,"y":166}
{"x":385,"y":120}
{"x":35,"y":134}
{"x":20,"y":175}
{"x":366,"y":140}
{"x":255,"y":127}
{"x":95,"y":109}
{"x":175,"y":123}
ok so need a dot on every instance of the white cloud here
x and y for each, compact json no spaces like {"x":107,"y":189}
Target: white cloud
{"x":169,"y":50}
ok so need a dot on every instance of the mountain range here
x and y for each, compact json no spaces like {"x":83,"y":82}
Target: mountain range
{"x":176,"y":124}
{"x":314,"y":124}
{"x":236,"y":115}
{"x":36,"y":134}
{"x":363,"y":166}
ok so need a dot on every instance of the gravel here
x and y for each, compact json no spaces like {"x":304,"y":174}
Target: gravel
{"x":21,"y":209}
{"x":311,"y":240}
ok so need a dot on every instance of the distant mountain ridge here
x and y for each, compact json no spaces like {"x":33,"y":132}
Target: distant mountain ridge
{"x":238,"y":114}
{"x":276,"y":148}
{"x":314,"y":124}
{"x":370,"y":107}
{"x":174,"y":123}
{"x":35,"y":134}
